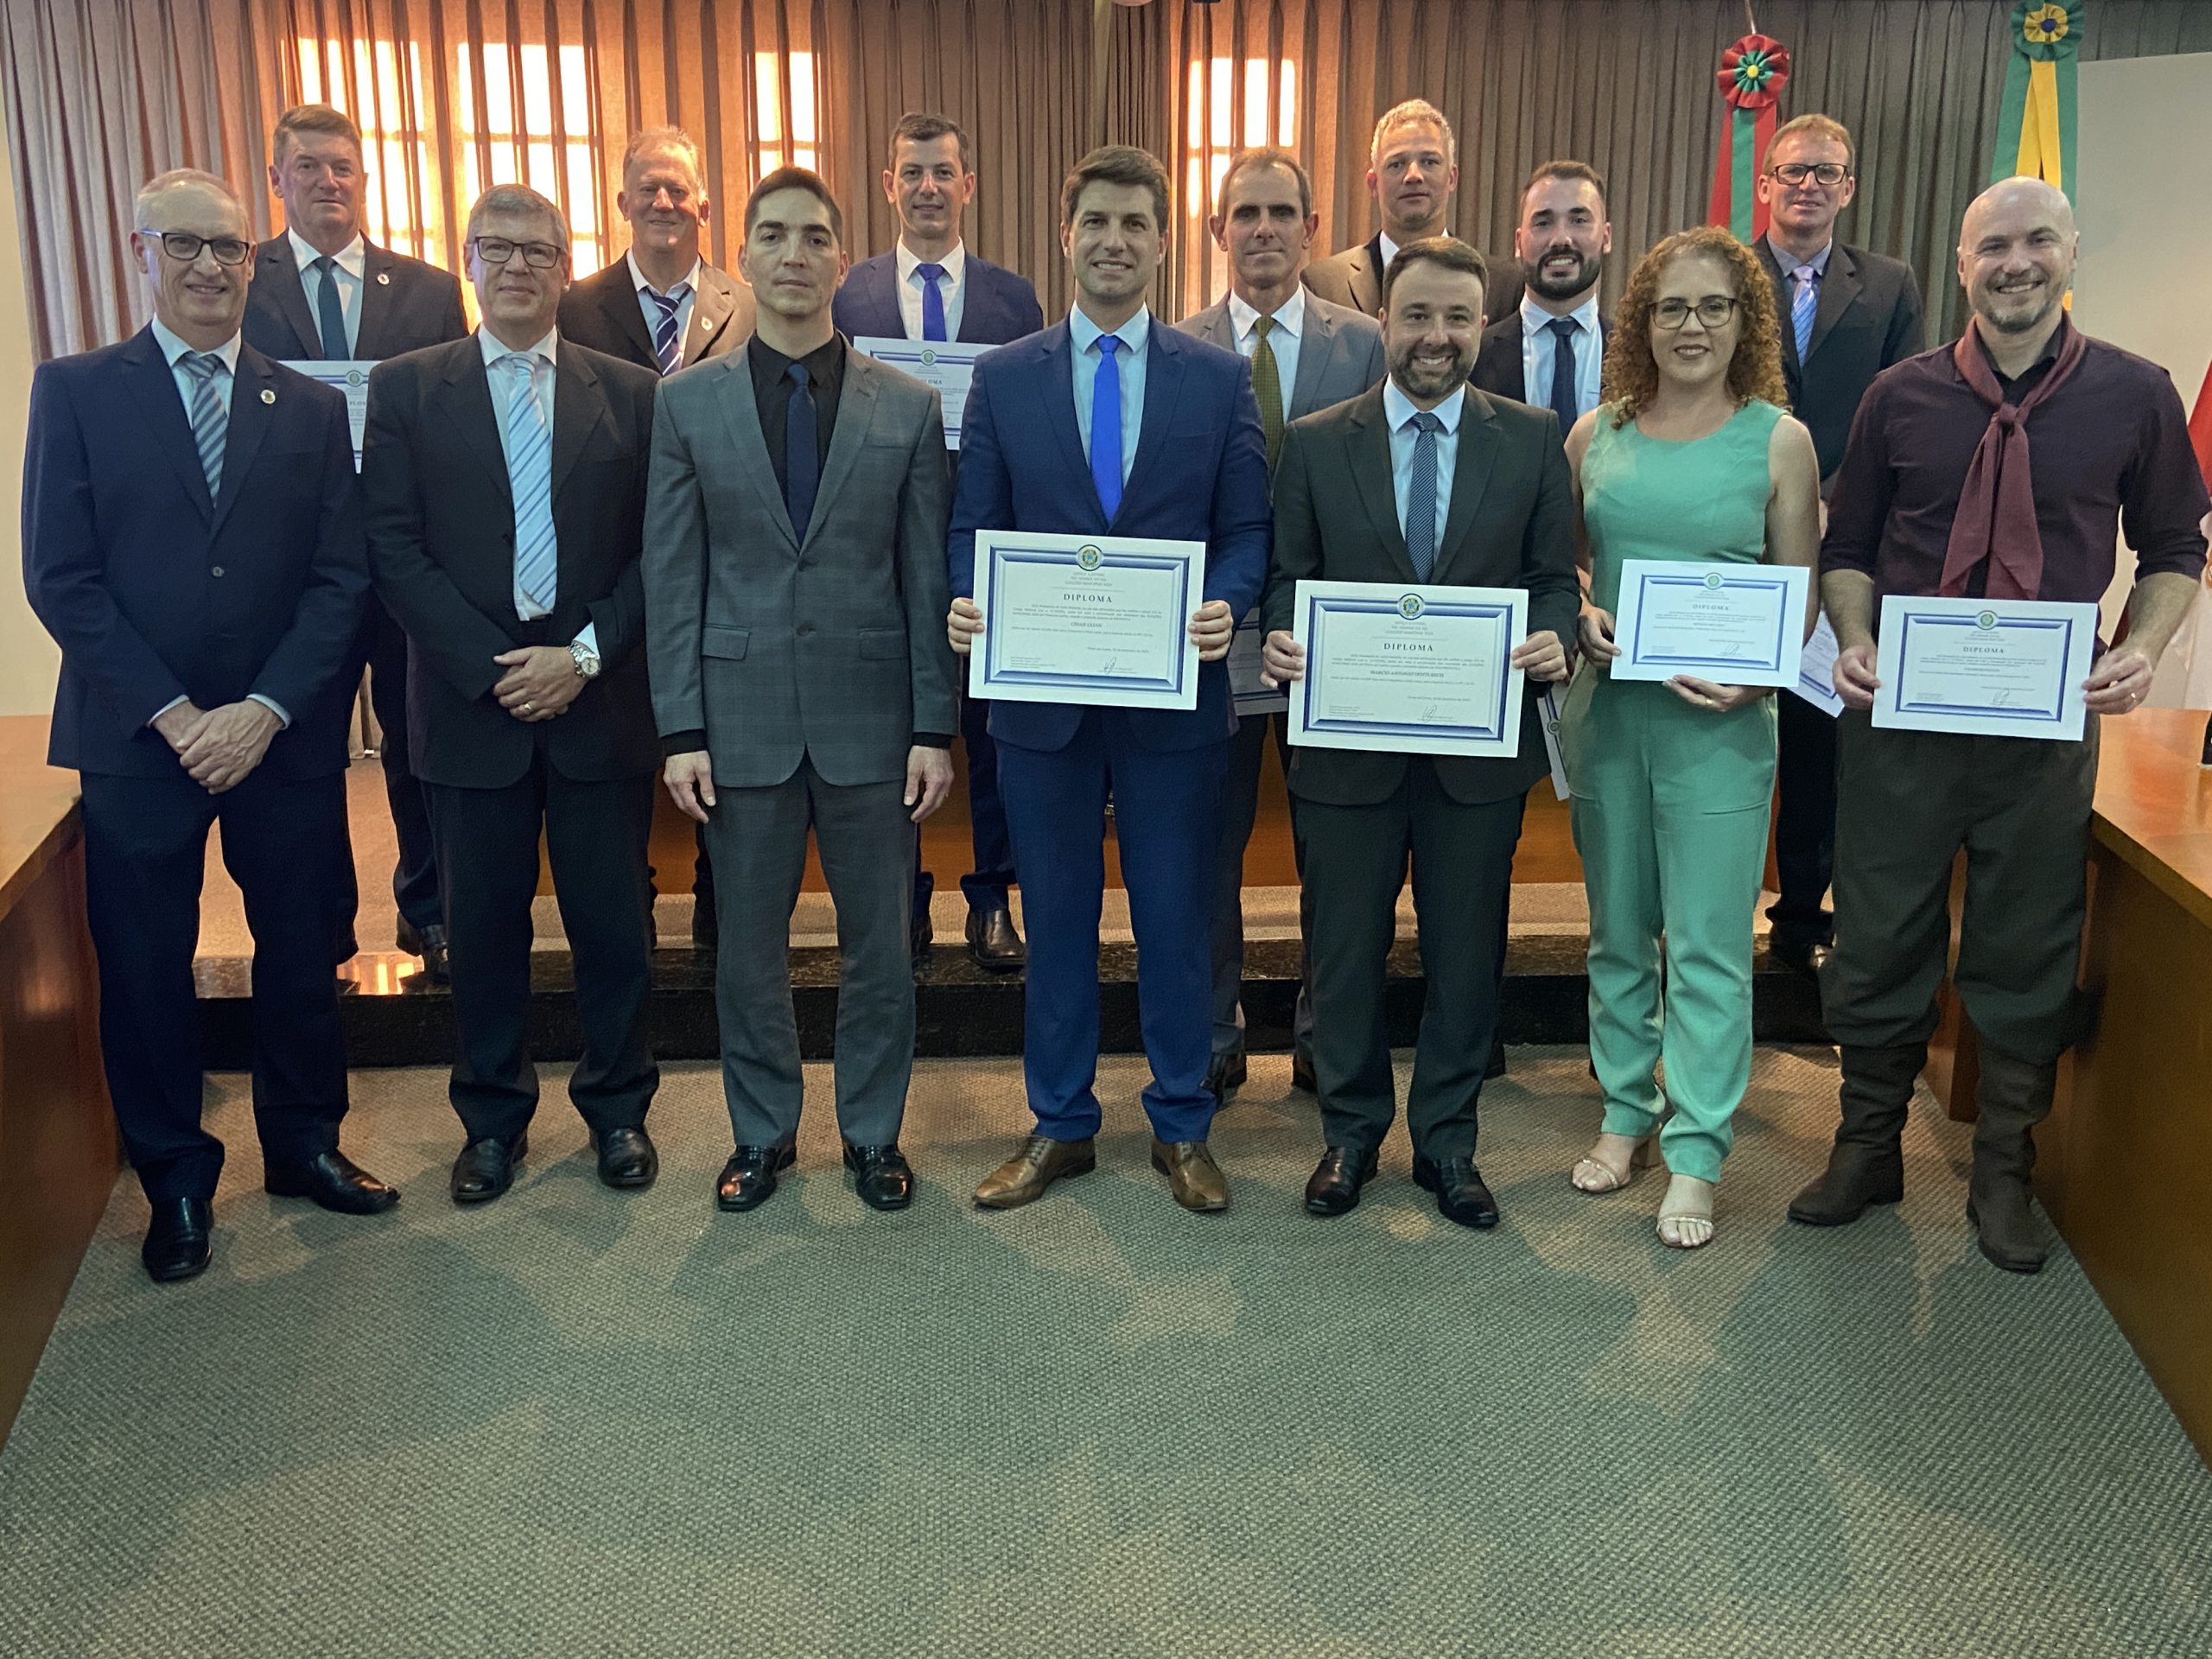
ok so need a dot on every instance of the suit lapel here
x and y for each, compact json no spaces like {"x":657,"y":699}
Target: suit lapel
{"x":1509,"y":367}
{"x":1058,"y":383}
{"x":1790,"y":366}
{"x":466,"y":401}
{"x":254,"y":405}
{"x":155,"y":386}
{"x":710,"y":311}
{"x":618,"y":300}
{"x":1370,"y":440}
{"x":741,"y":413}
{"x":1471,"y":472}
{"x":1313,"y":348}
{"x":377,"y":300}
{"x":1367,"y":277}
{"x":280,"y":269}
{"x":578,"y":407}
{"x":855,"y":410}
{"x":1163,"y":387}
{"x":979,"y":309}
{"x":1837,"y":290}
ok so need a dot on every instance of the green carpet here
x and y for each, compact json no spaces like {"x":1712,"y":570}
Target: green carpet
{"x":580,"y":1423}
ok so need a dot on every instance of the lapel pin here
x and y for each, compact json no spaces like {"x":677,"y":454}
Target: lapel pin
{"x":267,"y":395}
{"x":383,"y":279}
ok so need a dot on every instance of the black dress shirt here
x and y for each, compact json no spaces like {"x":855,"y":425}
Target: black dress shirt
{"x":772,"y":390}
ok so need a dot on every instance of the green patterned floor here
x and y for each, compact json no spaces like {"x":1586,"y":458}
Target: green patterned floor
{"x":580,"y":1423}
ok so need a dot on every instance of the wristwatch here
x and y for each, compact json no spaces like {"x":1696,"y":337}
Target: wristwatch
{"x":586,"y":659}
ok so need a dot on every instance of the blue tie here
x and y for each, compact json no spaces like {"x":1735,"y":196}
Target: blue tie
{"x":210,"y":422}
{"x":802,"y":453}
{"x":1106,"y":427}
{"x":332,"y":310}
{"x":530,"y":476}
{"x":1420,"y":495}
{"x":1566,"y":402}
{"x":932,"y":301}
{"x":668,"y":338}
{"x":1802,"y":305}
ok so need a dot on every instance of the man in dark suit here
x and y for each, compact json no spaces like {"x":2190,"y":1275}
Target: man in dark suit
{"x":192,"y":540}
{"x":795,"y":589}
{"x":929,"y":286}
{"x":1306,"y":354}
{"x":1112,"y":424}
{"x":504,"y":480}
{"x":1412,"y":172}
{"x":1424,"y":480}
{"x":663,"y":306}
{"x":1848,"y":314}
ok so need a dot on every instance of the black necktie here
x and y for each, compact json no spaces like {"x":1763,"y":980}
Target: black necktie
{"x":1565,"y":403}
{"x":802,"y":453}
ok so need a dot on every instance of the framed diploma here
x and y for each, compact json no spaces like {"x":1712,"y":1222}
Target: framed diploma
{"x":1413,"y":671}
{"x":351,"y":377}
{"x":947,"y":365}
{"x":1098,"y":620}
{"x":1985,"y":667}
{"x":1731,"y":624}
{"x":1816,"y":671}
{"x":1244,"y":665}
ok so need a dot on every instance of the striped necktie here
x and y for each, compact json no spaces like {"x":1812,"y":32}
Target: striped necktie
{"x":211,"y":422}
{"x":668,"y":338}
{"x":1420,"y":495}
{"x":1266,"y":386}
{"x":1802,"y":306}
{"x":530,"y":476}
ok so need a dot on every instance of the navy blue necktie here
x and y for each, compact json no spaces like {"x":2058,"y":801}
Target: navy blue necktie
{"x":802,"y":453}
{"x":1565,"y":402}
{"x":933,"y":301}
{"x":332,"y":306}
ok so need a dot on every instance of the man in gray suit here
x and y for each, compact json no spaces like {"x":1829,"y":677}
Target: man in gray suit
{"x":795,"y":593}
{"x":1306,"y":354}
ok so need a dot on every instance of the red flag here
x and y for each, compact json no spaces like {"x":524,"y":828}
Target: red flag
{"x":2200,"y":429}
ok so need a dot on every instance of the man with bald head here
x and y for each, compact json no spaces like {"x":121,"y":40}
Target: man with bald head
{"x":2005,"y":466}
{"x":192,"y":540}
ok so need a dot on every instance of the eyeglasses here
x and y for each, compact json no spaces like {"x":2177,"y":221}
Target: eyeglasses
{"x":497,"y":251}
{"x":1713,"y":311}
{"x":1830,"y":174}
{"x":184,"y":247}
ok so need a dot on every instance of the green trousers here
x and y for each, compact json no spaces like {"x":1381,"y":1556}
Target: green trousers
{"x":1670,"y":806}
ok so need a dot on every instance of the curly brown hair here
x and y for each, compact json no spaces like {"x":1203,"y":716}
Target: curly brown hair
{"x":1631,"y":375}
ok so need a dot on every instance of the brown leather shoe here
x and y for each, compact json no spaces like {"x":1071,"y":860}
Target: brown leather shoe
{"x":1024,"y":1177}
{"x":1193,"y":1175}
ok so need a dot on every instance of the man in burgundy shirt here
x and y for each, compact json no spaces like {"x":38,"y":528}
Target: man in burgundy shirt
{"x":2106,"y":446}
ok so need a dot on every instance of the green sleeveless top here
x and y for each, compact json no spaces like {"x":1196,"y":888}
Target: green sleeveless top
{"x":1702,"y":502}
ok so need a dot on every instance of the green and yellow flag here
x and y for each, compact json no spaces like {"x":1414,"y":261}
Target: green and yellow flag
{"x":2035,"y":119}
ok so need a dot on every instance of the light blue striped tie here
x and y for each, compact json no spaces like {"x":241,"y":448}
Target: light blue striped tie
{"x":529,"y":475}
{"x":211,"y":422}
{"x":1802,"y":306}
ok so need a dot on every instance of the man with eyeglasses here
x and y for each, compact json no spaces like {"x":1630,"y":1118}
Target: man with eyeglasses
{"x":504,"y":477}
{"x":1846,"y":314}
{"x":326,"y":292}
{"x":192,"y":540}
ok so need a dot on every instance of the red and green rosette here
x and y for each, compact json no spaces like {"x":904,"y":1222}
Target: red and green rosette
{"x":2035,"y":116}
{"x":1753,"y":72}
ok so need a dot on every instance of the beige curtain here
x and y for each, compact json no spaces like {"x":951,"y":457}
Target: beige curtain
{"x":459,"y":93}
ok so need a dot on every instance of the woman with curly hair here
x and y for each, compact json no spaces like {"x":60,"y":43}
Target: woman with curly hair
{"x":1691,"y":458}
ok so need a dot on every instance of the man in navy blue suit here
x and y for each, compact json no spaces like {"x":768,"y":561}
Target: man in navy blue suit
{"x":1111,"y":424}
{"x":193,"y":539}
{"x":929,"y":286}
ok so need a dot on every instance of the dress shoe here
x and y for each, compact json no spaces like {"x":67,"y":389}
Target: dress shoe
{"x":1337,"y":1180}
{"x":332,"y":1180}
{"x":1460,"y":1194}
{"x":1024,"y":1177}
{"x":429,"y":943}
{"x":1227,"y":1072}
{"x":485,"y":1168}
{"x":1804,"y":956}
{"x":1301,"y":1073}
{"x":748,"y":1180}
{"x":1192,"y":1176}
{"x":626,"y":1158}
{"x":918,"y":941}
{"x":705,"y":943}
{"x":880,"y":1175}
{"x":1494,"y":1068}
{"x":176,"y":1240}
{"x":992,"y":942}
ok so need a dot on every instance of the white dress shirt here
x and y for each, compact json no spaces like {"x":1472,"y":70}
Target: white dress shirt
{"x":1135,"y":336}
{"x":650,"y":312}
{"x":1283,"y":340}
{"x":952,"y":288}
{"x":351,"y":270}
{"x":1400,"y":410}
{"x":541,"y":389}
{"x":1539,"y":345}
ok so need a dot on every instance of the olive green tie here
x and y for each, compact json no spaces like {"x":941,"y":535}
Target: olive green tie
{"x":1266,"y":386}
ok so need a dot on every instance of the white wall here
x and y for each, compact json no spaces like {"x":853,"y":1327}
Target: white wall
{"x":28,"y":660}
{"x":2143,"y":186}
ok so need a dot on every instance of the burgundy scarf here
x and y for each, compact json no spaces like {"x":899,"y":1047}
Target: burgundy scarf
{"x":1996,"y":518}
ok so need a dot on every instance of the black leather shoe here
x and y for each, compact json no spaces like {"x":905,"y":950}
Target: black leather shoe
{"x":429,"y":943}
{"x":626,"y":1158}
{"x":749,"y":1178}
{"x":176,"y":1244}
{"x":1301,"y":1073}
{"x":705,"y":940}
{"x":1227,"y":1072}
{"x":880,"y":1175}
{"x":1804,"y":956}
{"x":485,"y":1168}
{"x":918,"y":940}
{"x":992,"y":942}
{"x":1496,"y":1069}
{"x":1460,"y":1194}
{"x":1337,"y":1180}
{"x":332,"y":1180}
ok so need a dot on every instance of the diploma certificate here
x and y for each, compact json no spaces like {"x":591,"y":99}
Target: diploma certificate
{"x":1408,"y":669}
{"x":350,"y":377}
{"x":947,"y":365}
{"x":1244,"y":666}
{"x":1729,"y":624}
{"x":1099,"y":619}
{"x":1816,"y":671}
{"x":1987,"y":667}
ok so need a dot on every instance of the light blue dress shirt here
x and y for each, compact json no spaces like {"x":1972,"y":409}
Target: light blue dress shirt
{"x":650,"y":312}
{"x":1400,"y":410}
{"x":541,"y":389}
{"x":1135,"y":336}
{"x":351,"y":270}
{"x":1539,"y":345}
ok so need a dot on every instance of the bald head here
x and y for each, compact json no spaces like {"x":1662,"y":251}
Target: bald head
{"x":2016,"y":257}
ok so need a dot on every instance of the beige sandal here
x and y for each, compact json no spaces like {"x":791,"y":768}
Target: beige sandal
{"x":1685,"y":1213}
{"x":1596,"y":1175}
